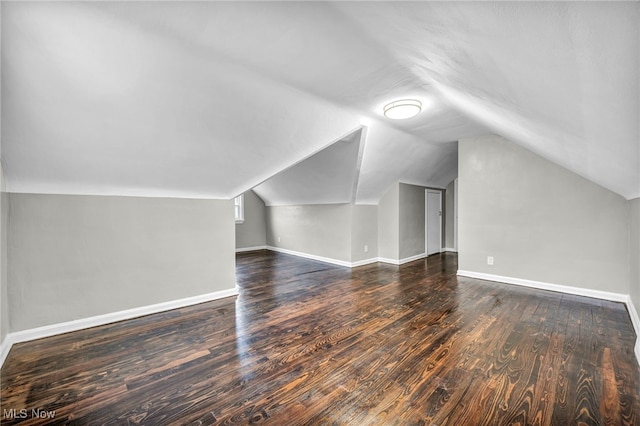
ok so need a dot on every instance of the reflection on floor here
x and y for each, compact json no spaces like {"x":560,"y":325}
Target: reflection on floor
{"x":310,"y":343}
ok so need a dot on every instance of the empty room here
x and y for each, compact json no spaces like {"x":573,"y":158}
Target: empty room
{"x":319,"y":213}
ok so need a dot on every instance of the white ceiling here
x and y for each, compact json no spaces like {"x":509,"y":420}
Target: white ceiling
{"x":327,"y":177}
{"x":209,"y":99}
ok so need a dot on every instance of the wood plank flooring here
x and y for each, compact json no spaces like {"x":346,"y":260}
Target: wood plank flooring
{"x":307,"y":343}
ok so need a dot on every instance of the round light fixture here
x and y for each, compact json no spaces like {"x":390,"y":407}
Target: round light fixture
{"x":404,"y":108}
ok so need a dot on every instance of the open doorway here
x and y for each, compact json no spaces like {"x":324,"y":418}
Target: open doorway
{"x":433,"y":221}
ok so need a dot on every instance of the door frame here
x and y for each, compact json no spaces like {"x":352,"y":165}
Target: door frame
{"x":455,"y":214}
{"x":426,"y":220}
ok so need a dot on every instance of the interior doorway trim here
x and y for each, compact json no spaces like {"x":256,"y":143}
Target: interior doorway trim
{"x":432,"y":211}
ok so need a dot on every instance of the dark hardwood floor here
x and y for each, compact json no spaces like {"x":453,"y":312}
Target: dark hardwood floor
{"x":308,"y":343}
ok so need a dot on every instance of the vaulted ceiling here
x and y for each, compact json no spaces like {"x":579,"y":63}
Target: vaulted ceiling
{"x":327,"y":177}
{"x":209,"y":99}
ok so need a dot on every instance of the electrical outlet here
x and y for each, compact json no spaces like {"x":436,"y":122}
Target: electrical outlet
{"x":489,"y":260}
{"x":366,"y":248}
{"x":278,"y":239}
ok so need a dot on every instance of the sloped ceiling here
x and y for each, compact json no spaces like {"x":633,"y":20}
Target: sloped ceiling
{"x":327,"y":177}
{"x":209,"y":99}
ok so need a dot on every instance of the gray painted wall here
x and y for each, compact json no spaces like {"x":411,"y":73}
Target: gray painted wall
{"x":334,"y":231}
{"x":364,"y":231}
{"x":634,"y":260}
{"x":411,"y":220}
{"x":4,"y":299}
{"x":540,"y":221}
{"x":321,"y":230}
{"x":389,"y":223}
{"x":308,"y":181}
{"x":4,"y":295}
{"x":449,"y":199}
{"x":253,"y":231}
{"x":72,"y":257}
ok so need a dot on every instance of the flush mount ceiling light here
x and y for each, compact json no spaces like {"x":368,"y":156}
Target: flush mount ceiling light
{"x":404,"y":108}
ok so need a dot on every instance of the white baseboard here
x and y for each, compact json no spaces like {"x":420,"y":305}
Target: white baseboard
{"x":243,"y":249}
{"x":635,"y":320}
{"x":402,"y":261}
{"x":345,"y":263}
{"x":364,"y":262}
{"x":5,"y":347}
{"x":80,"y":324}
{"x":311,"y":256}
{"x":412,"y":258}
{"x":450,"y":249}
{"x":597,"y":294}
{"x":633,"y":313}
{"x":616,"y":297}
{"x":348,"y":264}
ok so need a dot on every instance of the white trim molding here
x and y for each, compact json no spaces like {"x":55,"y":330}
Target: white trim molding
{"x":83,"y":323}
{"x":256,"y":248}
{"x":413,"y":258}
{"x":635,"y":320}
{"x":364,"y":262}
{"x":402,"y":261}
{"x":597,"y":294}
{"x":387,"y":260}
{"x":344,"y":262}
{"x":616,"y":297}
{"x":311,"y":256}
{"x":450,"y":249}
{"x":5,"y":347}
